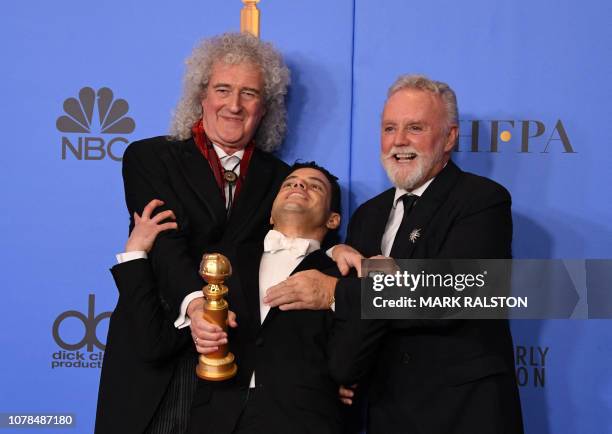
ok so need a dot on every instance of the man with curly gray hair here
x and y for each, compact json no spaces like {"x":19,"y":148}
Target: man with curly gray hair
{"x":229,"y":50}
{"x":215,"y":172}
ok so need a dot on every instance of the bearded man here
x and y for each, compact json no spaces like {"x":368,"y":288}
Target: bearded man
{"x":425,"y":376}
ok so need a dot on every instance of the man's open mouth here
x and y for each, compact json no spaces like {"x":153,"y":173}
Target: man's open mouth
{"x":405,"y":156}
{"x":297,"y":193}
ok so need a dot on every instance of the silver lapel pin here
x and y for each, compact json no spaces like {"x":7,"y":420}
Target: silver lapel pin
{"x":414,"y":235}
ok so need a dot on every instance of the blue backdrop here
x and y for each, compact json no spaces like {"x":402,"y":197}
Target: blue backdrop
{"x":532,"y":79}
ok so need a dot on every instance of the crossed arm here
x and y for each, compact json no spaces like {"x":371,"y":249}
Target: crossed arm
{"x":149,"y":315}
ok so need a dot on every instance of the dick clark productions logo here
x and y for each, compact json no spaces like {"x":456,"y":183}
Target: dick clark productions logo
{"x":71,"y":356}
{"x":97,"y":109}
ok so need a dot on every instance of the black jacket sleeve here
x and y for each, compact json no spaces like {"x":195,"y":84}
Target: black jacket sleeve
{"x":150,"y":329}
{"x":145,"y":178}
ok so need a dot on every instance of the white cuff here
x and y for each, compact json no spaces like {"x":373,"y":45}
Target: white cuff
{"x":330,"y":252}
{"x":183,"y":320}
{"x":130,"y":256}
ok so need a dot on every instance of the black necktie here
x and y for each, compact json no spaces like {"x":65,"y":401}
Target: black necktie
{"x":403,"y":232}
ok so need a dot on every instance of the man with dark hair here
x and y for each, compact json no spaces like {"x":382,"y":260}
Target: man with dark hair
{"x":429,"y":377}
{"x":332,"y":236}
{"x":283,"y":382}
{"x":216,"y":173}
{"x":336,"y":193}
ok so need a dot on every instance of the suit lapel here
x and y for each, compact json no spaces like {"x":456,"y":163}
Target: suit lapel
{"x":249,"y":259}
{"x":200,"y":178}
{"x":376,"y":222}
{"x":316,"y":260}
{"x":427,"y":206}
{"x":254,"y":191}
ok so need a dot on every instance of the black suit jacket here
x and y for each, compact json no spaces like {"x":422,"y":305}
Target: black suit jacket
{"x":442,"y":376}
{"x":132,"y":384}
{"x":289,"y":354}
{"x":289,"y":351}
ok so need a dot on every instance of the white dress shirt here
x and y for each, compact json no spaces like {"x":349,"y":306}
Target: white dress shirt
{"x":229,"y":162}
{"x":396,"y":215}
{"x":280,"y":257}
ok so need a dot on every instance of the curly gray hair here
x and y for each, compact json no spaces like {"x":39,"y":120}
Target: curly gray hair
{"x":235,"y":48}
{"x":421,"y":82}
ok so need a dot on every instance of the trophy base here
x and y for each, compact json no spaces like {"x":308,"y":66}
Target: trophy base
{"x":216,"y":369}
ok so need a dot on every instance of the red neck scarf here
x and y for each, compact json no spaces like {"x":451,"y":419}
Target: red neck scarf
{"x":206,"y":148}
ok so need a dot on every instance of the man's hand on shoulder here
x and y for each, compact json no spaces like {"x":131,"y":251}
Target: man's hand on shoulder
{"x":146,"y":227}
{"x":346,"y":258}
{"x":308,"y":289}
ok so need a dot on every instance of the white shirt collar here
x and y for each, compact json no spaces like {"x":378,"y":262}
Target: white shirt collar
{"x":399,"y":192}
{"x":222,"y":154}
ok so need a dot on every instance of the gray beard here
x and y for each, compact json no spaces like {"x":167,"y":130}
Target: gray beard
{"x":416,"y":177}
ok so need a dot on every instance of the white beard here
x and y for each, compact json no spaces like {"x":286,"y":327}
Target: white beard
{"x":412,"y":175}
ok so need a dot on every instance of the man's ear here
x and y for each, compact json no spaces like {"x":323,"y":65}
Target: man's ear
{"x":203,"y":95}
{"x":271,"y":220}
{"x":451,"y":139}
{"x":333,"y":221}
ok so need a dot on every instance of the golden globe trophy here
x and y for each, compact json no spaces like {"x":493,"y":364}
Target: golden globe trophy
{"x":218,"y":365}
{"x":249,"y":17}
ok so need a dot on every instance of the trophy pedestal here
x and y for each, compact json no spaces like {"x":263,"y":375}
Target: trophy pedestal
{"x":216,"y":369}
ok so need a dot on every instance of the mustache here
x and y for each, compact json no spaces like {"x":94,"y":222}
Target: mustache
{"x":399,"y":150}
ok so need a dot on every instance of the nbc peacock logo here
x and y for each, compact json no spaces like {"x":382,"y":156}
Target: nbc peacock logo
{"x":91,"y":115}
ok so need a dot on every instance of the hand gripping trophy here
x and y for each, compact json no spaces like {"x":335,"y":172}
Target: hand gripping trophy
{"x":218,"y":365}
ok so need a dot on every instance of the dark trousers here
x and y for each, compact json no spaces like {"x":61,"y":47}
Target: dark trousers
{"x":251,"y":421}
{"x":172,"y":415}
